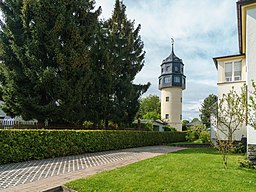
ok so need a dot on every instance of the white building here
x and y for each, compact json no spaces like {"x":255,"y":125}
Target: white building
{"x":172,"y":82}
{"x":237,"y":70}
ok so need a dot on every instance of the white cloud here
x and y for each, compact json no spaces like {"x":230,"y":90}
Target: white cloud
{"x":202,"y":29}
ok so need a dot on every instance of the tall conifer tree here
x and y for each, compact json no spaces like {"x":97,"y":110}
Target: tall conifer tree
{"x":126,"y":49}
{"x":46,"y":58}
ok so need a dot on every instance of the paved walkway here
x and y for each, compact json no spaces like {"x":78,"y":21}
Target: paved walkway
{"x":46,"y":174}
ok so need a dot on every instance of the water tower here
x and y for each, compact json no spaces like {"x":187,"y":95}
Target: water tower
{"x":172,"y":82}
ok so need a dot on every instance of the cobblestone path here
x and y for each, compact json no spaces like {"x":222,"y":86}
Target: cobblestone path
{"x":18,"y":174}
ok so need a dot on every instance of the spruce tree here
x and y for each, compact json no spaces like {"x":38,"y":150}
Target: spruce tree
{"x":46,"y":58}
{"x":127,"y":58}
{"x":98,"y":97}
{"x":207,"y":107}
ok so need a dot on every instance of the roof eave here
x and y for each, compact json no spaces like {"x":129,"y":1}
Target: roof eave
{"x":239,"y":23}
{"x":239,"y":5}
{"x":215,"y":59}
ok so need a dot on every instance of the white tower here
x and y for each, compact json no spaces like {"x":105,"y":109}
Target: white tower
{"x":172,"y":82}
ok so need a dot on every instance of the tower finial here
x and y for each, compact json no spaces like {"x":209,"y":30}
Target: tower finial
{"x":172,"y":41}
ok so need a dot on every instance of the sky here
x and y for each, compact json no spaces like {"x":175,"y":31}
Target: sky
{"x":202,"y":29}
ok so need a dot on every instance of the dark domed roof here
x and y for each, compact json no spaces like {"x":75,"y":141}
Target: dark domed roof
{"x":172,"y":58}
{"x":172,"y":72}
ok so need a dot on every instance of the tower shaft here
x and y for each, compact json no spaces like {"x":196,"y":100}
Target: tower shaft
{"x":171,"y":106}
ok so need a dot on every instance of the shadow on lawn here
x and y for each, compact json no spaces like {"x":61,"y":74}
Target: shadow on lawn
{"x":211,"y":151}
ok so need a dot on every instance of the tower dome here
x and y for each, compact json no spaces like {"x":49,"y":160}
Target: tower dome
{"x":172,"y":72}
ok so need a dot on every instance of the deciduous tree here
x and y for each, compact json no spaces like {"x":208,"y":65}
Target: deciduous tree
{"x":230,"y":116}
{"x":150,"y":108}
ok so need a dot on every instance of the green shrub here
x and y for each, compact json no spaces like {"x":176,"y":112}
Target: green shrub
{"x":24,"y":145}
{"x":239,"y":148}
{"x":205,"y":136}
{"x":147,"y":126}
{"x":168,"y":128}
{"x":88,"y":124}
{"x":198,"y":132}
{"x":246,"y":164}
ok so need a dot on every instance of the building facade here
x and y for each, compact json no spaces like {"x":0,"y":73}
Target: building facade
{"x":237,"y":70}
{"x":172,"y":82}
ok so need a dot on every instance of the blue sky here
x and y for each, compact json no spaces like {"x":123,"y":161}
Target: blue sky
{"x":202,"y":29}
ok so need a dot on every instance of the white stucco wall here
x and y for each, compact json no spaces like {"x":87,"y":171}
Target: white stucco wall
{"x":173,"y":107}
{"x":224,"y":88}
{"x":251,"y":60}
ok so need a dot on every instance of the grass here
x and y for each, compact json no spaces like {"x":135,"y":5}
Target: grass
{"x":188,"y":142}
{"x":190,"y":170}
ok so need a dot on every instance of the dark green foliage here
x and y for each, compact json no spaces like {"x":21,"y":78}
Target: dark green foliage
{"x":168,"y":128}
{"x":124,"y":51}
{"x":60,"y":64}
{"x":184,"y":125}
{"x":240,"y":147}
{"x":146,"y":126}
{"x":209,"y":104}
{"x":45,"y":67}
{"x":24,"y":145}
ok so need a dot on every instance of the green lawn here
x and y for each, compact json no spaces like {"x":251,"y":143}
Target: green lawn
{"x":187,"y":142}
{"x":188,"y":170}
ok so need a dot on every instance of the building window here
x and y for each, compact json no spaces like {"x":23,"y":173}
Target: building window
{"x":237,"y":70}
{"x":181,"y":69}
{"x":228,"y":71}
{"x":162,"y":70}
{"x":167,"y":99}
{"x":176,"y":79}
{"x":166,"y":116}
{"x":167,"y":80}
{"x":233,"y":71}
{"x":176,"y":69}
{"x":181,"y":99}
{"x":180,"y":117}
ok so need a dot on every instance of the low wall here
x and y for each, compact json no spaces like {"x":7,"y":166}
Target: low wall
{"x":251,"y":152}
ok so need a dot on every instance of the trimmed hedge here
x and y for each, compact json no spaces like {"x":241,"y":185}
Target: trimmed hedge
{"x":24,"y":145}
